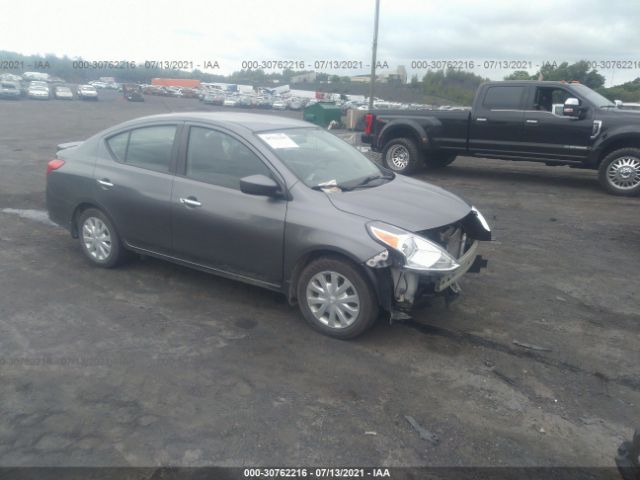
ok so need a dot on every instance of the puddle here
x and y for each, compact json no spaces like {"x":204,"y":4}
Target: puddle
{"x":35,"y":215}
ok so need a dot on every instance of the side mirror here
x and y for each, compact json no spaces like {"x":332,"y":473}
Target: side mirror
{"x":572,"y":108}
{"x":618,"y":103}
{"x":259,"y":185}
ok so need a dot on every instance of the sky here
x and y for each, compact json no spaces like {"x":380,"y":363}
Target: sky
{"x":233,"y":31}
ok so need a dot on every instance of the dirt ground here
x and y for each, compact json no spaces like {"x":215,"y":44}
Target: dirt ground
{"x":155,"y":364}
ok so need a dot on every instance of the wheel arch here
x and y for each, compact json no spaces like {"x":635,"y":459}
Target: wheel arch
{"x":411,"y":130}
{"x":331,"y":252}
{"x":80,"y":208}
{"x":628,"y":140}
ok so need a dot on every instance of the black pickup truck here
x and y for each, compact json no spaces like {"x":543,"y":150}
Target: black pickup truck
{"x":557,"y":123}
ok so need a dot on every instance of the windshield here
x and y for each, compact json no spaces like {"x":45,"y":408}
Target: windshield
{"x":593,"y":97}
{"x":317,"y":157}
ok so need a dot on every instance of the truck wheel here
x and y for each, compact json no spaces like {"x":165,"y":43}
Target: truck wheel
{"x":439,"y":159}
{"x":336,"y":298}
{"x":401,"y":155}
{"x":619,"y":172}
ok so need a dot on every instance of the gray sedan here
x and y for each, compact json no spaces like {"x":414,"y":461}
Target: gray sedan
{"x":274,"y":202}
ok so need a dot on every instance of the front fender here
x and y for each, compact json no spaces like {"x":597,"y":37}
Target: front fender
{"x":618,"y":135}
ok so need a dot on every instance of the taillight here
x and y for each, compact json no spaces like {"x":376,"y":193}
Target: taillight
{"x":54,"y":164}
{"x":368,"y":123}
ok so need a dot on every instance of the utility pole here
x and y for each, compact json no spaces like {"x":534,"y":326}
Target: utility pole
{"x":373,"y":56}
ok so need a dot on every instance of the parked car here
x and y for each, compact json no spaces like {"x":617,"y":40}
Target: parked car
{"x":263,"y":102}
{"x":132,"y":92}
{"x":213,"y":98}
{"x":39,"y":83}
{"x":87,"y":92}
{"x":278,"y":105}
{"x":246,"y":102}
{"x":515,"y":121}
{"x":61,"y":92}
{"x":271,"y":201}
{"x":151,"y":90}
{"x":189,"y":93}
{"x":9,"y":89}
{"x":295,"y":104}
{"x":171,"y":92}
{"x":38,"y":92}
{"x":230,"y":102}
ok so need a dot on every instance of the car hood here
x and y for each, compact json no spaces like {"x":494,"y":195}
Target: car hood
{"x":404,"y":202}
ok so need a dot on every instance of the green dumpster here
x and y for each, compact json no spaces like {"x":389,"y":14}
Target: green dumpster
{"x":322,"y":113}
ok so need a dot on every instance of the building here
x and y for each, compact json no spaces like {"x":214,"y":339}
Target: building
{"x":394,"y":77}
{"x":304,"y":78}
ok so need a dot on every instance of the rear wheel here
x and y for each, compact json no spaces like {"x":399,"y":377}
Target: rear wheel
{"x":401,"y":155}
{"x":438,"y":159}
{"x":619,"y":172}
{"x":336,"y":299}
{"x":99,"y":240}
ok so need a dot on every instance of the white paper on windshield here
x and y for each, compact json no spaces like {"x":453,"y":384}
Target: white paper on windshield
{"x":278,"y":140}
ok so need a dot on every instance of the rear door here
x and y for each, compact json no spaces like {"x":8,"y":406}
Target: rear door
{"x":214,"y":223}
{"x":547,"y":134}
{"x":134,"y":184}
{"x":496,"y":121}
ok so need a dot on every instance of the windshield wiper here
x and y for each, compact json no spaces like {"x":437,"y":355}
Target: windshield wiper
{"x":371,"y":178}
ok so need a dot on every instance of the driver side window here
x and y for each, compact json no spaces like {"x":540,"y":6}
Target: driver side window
{"x":550,"y":99}
{"x":219,"y":159}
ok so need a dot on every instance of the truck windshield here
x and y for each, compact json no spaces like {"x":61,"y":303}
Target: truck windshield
{"x":319,"y":158}
{"x":593,"y":97}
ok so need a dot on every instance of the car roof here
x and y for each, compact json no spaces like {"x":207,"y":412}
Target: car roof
{"x":253,"y":122}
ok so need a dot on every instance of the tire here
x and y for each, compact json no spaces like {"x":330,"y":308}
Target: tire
{"x":437,"y":160}
{"x":315,"y":280}
{"x":92,"y":227}
{"x":401,"y":155}
{"x":619,"y":172}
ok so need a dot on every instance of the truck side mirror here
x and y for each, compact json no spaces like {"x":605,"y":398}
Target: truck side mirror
{"x":572,"y":108}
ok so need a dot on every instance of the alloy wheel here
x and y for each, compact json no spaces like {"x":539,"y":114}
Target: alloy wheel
{"x":624,"y":173}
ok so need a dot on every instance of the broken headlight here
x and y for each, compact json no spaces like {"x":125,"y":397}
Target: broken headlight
{"x":418,"y":252}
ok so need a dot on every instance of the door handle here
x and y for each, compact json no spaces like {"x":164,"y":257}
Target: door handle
{"x":190,"y":202}
{"x":481,"y":119}
{"x":532,"y":122}
{"x":105,"y":182}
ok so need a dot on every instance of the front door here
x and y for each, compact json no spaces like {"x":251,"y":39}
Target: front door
{"x":216,"y":225}
{"x":548,"y":134}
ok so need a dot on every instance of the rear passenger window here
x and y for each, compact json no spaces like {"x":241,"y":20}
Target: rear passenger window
{"x":118,"y":145}
{"x":220,"y":159}
{"x":148,"y":147}
{"x":503,"y":97}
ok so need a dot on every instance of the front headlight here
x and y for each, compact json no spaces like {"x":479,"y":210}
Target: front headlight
{"x":419,"y":253}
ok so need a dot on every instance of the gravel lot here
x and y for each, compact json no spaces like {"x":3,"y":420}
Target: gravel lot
{"x":155,"y":364}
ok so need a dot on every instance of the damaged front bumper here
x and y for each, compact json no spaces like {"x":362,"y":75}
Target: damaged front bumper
{"x":412,"y":288}
{"x":403,"y":289}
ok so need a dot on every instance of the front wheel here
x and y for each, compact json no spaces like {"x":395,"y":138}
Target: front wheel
{"x":401,"y":155}
{"x":619,"y":172}
{"x":336,"y":298}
